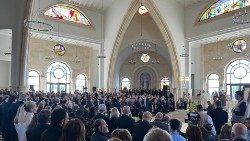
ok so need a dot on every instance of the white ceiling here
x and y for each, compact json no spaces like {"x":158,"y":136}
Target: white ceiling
{"x":5,"y":47}
{"x":92,"y":4}
{"x":187,"y":3}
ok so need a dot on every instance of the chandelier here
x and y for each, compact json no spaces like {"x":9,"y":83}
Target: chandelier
{"x":184,"y":53}
{"x":36,"y":24}
{"x":238,"y":46}
{"x":241,"y":17}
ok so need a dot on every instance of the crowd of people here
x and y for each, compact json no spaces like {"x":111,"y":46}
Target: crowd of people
{"x":134,"y":115}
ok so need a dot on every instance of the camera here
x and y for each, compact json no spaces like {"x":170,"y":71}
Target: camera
{"x":193,"y":118}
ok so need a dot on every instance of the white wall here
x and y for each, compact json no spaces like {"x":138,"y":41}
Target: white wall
{"x":5,"y":69}
{"x":171,"y":11}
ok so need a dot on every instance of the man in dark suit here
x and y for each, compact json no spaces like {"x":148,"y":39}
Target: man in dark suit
{"x":59,"y":118}
{"x":141,"y":129}
{"x":43,"y":119}
{"x":102,"y":109}
{"x":219,"y":116}
{"x":125,"y":121}
{"x":8,"y":113}
{"x":158,"y":122}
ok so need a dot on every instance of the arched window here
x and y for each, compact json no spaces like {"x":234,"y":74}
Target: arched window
{"x":213,"y":83}
{"x":223,"y":6}
{"x":164,"y":82}
{"x":125,"y":83}
{"x":33,"y":80}
{"x":68,"y":13}
{"x":80,"y":82}
{"x":238,"y":76}
{"x":58,"y":77}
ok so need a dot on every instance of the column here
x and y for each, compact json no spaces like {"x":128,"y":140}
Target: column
{"x":19,"y":55}
{"x":101,"y":66}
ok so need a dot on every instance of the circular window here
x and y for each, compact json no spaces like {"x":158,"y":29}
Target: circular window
{"x":145,"y":58}
{"x":239,"y":45}
{"x":143,"y":10}
{"x":240,"y":72}
{"x":58,"y":73}
{"x":59,"y":49}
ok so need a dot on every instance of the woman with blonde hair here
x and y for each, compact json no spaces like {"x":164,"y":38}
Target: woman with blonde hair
{"x":23,"y":118}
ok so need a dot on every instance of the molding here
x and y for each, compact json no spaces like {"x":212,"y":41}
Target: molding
{"x":223,"y":34}
{"x":65,"y":38}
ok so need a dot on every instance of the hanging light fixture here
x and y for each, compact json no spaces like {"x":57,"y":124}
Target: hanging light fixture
{"x":184,"y":54}
{"x":242,"y":17}
{"x":59,"y":48}
{"x":36,"y":24}
{"x":132,"y":61}
{"x":217,"y":57}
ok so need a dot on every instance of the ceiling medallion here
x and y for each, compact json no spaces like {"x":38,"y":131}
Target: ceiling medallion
{"x":145,"y":58}
{"x":59,"y":49}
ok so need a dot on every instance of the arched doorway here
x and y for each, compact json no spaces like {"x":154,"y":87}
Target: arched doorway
{"x":58,"y":77}
{"x":145,"y":81}
{"x":237,"y":76}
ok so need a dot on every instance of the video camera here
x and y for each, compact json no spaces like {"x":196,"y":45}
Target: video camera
{"x":193,"y":118}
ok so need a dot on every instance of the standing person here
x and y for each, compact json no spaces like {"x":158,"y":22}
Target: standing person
{"x":43,"y":119}
{"x":74,"y":130}
{"x":125,"y":121}
{"x":175,"y":125}
{"x":210,"y":107}
{"x":101,"y":130}
{"x":220,"y":120}
{"x":102,"y":109}
{"x":23,"y":118}
{"x":223,"y":99}
{"x":239,"y":112}
{"x":141,"y":129}
{"x":114,"y":115}
{"x":59,"y":118}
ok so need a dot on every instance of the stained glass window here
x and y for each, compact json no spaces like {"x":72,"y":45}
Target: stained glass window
{"x":33,"y":80}
{"x":68,"y":13}
{"x":223,"y":6}
{"x":239,"y":45}
{"x":164,"y":82}
{"x":213,"y":83}
{"x":125,"y":83}
{"x":237,"y":75}
{"x":80,"y":82}
{"x":58,"y":77}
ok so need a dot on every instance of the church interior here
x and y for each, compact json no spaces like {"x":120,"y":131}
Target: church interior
{"x":195,"y":49}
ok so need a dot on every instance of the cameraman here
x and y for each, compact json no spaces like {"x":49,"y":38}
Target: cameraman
{"x":204,"y":118}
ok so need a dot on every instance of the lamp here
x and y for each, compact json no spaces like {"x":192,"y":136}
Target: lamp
{"x":241,"y":17}
{"x":37,"y":25}
{"x":217,"y":57}
{"x":132,"y":61}
{"x":184,"y":54}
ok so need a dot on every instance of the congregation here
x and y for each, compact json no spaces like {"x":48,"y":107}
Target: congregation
{"x":133,"y":115}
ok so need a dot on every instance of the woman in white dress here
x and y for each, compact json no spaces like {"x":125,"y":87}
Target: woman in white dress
{"x":23,"y":118}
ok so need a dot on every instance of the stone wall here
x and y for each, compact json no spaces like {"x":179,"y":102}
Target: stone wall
{"x":228,"y":55}
{"x":157,"y":71}
{"x":40,"y":49}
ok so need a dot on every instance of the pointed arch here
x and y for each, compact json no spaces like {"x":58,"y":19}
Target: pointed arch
{"x":220,"y":7}
{"x":168,"y":39}
{"x":67,"y":13}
